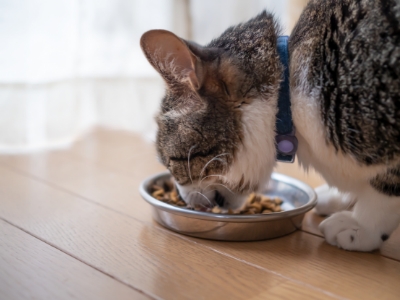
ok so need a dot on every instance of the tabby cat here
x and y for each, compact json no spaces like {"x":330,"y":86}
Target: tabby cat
{"x":217,"y":124}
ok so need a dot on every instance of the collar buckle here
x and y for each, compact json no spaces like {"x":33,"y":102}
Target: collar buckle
{"x":286,"y":146}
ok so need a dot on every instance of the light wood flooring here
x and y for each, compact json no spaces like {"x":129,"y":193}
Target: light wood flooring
{"x":73,"y":226}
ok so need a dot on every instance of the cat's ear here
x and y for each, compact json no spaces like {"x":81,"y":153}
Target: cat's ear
{"x":172,"y":58}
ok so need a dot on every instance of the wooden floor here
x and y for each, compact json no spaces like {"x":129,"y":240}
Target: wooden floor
{"x":73,"y":226}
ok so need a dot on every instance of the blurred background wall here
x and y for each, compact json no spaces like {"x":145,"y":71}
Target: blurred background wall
{"x":69,"y":65}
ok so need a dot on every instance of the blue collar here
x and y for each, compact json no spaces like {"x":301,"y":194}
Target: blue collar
{"x":286,"y":141}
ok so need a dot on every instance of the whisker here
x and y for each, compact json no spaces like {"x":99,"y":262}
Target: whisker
{"x":211,"y":176}
{"x":190,"y":174}
{"x":209,"y":201}
{"x":190,"y":202}
{"x":221,"y":185}
{"x":190,"y":199}
{"x":211,"y":160}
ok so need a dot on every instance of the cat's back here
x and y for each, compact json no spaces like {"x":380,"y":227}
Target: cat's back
{"x":351,"y":51}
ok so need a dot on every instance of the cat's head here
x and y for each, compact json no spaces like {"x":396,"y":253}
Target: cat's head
{"x":216,"y":127}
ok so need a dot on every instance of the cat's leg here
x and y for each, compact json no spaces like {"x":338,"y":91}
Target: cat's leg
{"x":374,"y":217}
{"x":330,"y":200}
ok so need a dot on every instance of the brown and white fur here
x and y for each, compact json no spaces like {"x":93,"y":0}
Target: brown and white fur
{"x":217,"y":121}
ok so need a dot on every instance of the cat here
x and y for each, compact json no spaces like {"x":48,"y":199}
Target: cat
{"x":217,"y":124}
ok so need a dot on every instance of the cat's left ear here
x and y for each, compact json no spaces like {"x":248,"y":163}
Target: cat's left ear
{"x":172,"y":58}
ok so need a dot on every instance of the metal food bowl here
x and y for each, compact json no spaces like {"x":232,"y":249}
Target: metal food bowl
{"x":298,"y":198}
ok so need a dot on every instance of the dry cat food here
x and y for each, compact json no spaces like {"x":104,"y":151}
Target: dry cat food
{"x":255,"y":204}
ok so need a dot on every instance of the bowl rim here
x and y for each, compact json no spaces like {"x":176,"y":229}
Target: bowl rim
{"x":232,"y":218}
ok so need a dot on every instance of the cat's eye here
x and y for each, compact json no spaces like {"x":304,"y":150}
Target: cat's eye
{"x":240,"y":105}
{"x":226,"y":88}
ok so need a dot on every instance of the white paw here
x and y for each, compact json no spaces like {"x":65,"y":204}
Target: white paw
{"x":330,"y":200}
{"x":342,"y":230}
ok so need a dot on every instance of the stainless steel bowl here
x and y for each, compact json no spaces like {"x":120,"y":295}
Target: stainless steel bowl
{"x":298,"y":198}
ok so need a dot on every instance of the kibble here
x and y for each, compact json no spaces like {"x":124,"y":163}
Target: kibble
{"x":165,"y":191}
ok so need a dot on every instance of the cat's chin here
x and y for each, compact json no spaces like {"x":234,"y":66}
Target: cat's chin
{"x":210,"y":196}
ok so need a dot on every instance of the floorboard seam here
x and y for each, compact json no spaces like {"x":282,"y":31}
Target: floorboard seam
{"x":269,"y":271}
{"x":253,"y":265}
{"x":321,"y":236}
{"x":312,"y":233}
{"x":57,"y":187}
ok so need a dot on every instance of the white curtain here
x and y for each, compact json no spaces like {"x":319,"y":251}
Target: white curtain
{"x":68,"y":65}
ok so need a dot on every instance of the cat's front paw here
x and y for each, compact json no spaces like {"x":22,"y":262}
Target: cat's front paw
{"x":342,"y":230}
